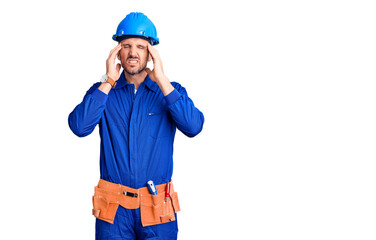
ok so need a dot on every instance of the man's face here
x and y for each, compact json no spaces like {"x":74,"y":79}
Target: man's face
{"x":134,"y":55}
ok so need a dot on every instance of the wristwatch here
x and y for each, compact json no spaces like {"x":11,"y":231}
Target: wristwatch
{"x":106,"y":78}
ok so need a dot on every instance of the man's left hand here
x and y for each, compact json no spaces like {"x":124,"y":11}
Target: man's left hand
{"x":157,"y":74}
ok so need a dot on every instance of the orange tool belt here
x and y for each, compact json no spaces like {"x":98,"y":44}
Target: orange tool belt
{"x":154,"y":208}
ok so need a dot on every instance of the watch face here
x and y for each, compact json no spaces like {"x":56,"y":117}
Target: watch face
{"x":104,"y":78}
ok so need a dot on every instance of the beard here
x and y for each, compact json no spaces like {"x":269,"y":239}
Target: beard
{"x":133,"y":71}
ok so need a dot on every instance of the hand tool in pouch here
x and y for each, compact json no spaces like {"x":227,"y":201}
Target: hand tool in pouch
{"x":152,"y":188}
{"x":168,"y":188}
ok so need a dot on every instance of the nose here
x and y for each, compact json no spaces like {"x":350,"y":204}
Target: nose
{"x":132,"y":52}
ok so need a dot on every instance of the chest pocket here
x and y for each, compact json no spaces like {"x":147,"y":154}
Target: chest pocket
{"x":159,"y":124}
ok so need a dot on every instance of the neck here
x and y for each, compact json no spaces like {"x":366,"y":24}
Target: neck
{"x":136,"y":79}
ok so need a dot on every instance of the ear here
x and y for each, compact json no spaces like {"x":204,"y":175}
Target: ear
{"x":149,"y":57}
{"x":118,"y":56}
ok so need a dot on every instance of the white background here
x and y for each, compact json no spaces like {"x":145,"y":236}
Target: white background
{"x":287,"y":89}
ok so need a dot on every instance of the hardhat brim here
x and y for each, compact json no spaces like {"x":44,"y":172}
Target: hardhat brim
{"x":120,"y":38}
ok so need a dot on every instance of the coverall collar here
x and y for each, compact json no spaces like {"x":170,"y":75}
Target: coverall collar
{"x":148,"y":82}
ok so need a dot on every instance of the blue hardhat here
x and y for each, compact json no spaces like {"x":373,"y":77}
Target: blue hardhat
{"x":137,"y":25}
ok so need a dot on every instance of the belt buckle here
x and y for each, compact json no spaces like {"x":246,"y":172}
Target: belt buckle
{"x":129,"y":194}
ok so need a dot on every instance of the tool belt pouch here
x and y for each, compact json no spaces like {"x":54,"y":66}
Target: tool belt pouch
{"x":105,"y":205}
{"x":155,"y":210}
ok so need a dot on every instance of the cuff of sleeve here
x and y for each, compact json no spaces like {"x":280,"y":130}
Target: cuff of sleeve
{"x":172,"y":97}
{"x":99,"y":95}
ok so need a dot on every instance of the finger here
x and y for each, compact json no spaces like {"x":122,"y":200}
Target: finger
{"x":115,"y":52}
{"x":151,"y":50}
{"x":115,"y":49}
{"x":118,"y":66}
{"x":112,"y":50}
{"x":148,"y":70}
{"x":154,"y":55}
{"x":160,"y":62}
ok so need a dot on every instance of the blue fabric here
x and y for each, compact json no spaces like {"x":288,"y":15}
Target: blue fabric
{"x":137,"y":130}
{"x":127,"y":225}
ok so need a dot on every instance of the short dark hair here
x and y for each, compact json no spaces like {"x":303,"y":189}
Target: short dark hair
{"x":123,"y":37}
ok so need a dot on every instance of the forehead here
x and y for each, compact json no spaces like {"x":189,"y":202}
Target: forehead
{"x":135,"y":41}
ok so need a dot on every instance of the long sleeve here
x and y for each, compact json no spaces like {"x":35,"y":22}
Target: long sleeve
{"x":188,"y":119}
{"x":86,"y":115}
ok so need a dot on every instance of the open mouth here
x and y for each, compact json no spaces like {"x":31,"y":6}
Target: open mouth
{"x":132,"y":61}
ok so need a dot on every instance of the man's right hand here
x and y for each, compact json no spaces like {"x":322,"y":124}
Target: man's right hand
{"x":112,"y":70}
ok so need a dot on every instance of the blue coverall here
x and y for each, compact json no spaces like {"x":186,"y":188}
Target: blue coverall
{"x":137,"y":134}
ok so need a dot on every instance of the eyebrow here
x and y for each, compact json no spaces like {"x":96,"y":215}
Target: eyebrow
{"x":127,"y":44}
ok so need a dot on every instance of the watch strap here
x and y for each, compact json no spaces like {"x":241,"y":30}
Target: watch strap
{"x":111,"y":81}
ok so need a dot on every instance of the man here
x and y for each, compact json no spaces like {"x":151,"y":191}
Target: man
{"x":138,"y":112}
